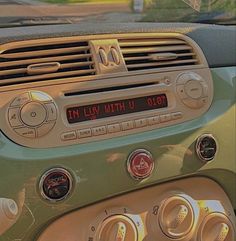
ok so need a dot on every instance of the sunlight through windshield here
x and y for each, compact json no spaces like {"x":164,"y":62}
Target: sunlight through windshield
{"x":32,"y":12}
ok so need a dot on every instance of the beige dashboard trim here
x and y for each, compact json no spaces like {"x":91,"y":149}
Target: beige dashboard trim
{"x":35,"y":42}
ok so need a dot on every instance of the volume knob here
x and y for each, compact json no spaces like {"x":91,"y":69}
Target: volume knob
{"x":118,"y":228}
{"x":192,"y":89}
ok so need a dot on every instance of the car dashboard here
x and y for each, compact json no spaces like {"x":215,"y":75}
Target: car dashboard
{"x":117,"y":132}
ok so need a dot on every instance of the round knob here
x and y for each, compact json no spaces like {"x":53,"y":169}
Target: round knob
{"x":118,"y":228}
{"x":140,"y":164}
{"x":192,"y":90}
{"x":32,"y":114}
{"x":10,"y":208}
{"x":216,"y":227}
{"x":177,"y":216}
{"x":8,"y":214}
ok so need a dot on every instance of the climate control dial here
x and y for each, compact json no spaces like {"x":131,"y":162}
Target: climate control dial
{"x":118,"y":228}
{"x":216,"y":227}
{"x":32,"y":114}
{"x":177,"y":216}
{"x":117,"y":225}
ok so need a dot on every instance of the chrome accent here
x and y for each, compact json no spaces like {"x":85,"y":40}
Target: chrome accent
{"x":198,"y":147}
{"x":45,"y":175}
{"x":134,"y":153}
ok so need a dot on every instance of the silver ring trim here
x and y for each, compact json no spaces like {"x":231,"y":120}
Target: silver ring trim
{"x":197,"y":147}
{"x":134,"y":153}
{"x":44,"y":176}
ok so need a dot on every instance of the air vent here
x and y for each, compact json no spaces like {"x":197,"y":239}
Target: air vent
{"x":41,"y":61}
{"x":156,"y":53}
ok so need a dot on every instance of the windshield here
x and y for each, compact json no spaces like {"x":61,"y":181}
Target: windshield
{"x":40,"y":12}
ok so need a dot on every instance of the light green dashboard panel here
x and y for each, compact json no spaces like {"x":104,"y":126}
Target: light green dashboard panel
{"x":99,"y":168}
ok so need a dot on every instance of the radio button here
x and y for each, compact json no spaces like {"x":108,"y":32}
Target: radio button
{"x":52,"y":111}
{"x":202,"y":101}
{"x":84,"y":133}
{"x":140,"y":123}
{"x":140,"y":164}
{"x":40,"y":96}
{"x":181,"y":92}
{"x":45,"y":128}
{"x":33,"y":114}
{"x":127,"y":125}
{"x":165,"y":118}
{"x":194,"y":89}
{"x":176,"y":115}
{"x":20,"y":100}
{"x":195,"y":104}
{"x":153,"y":120}
{"x":184,"y":78}
{"x":113,"y":128}
{"x":204,"y":88}
{"x":13,"y":116}
{"x":26,"y":132}
{"x":67,"y":136}
{"x":100,"y":130}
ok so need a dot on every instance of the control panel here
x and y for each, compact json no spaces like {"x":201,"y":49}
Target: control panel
{"x":32,"y":114}
{"x":192,"y":89}
{"x":170,"y":211}
{"x":82,"y":112}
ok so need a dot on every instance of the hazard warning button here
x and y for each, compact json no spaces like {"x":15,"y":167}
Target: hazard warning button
{"x":140,"y":164}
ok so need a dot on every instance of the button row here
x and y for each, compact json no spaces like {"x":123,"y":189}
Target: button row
{"x":124,"y":126}
{"x":40,"y":131}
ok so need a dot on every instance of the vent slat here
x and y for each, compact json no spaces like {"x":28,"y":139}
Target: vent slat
{"x":178,"y":62}
{"x":44,"y":60}
{"x":150,"y":57}
{"x":13,"y":71}
{"x":154,"y":50}
{"x":58,"y":75}
{"x":62,"y":66}
{"x":158,"y":53}
{"x":41,"y":53}
{"x":24,"y":63}
{"x":150,"y":43}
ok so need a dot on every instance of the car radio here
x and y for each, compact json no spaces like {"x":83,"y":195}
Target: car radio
{"x":92,"y":110}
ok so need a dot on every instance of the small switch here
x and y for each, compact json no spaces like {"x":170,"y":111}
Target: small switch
{"x":103,"y":56}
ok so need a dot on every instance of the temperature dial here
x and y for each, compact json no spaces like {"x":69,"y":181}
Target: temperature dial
{"x":216,"y":227}
{"x":118,"y":228}
{"x":117,"y":225}
{"x":177,"y":216}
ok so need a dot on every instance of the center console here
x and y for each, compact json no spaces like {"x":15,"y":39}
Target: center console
{"x":195,"y":209}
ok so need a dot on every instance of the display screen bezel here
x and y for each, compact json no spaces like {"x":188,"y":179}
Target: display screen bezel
{"x":98,"y":111}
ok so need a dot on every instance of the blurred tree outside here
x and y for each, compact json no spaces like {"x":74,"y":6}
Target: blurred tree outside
{"x":176,"y":10}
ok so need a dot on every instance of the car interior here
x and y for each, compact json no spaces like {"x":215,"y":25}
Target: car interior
{"x":117,"y":131}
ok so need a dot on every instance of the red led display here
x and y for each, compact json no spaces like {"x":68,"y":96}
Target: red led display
{"x":114,"y":108}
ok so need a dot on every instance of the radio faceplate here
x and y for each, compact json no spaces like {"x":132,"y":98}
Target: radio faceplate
{"x":161,"y":99}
